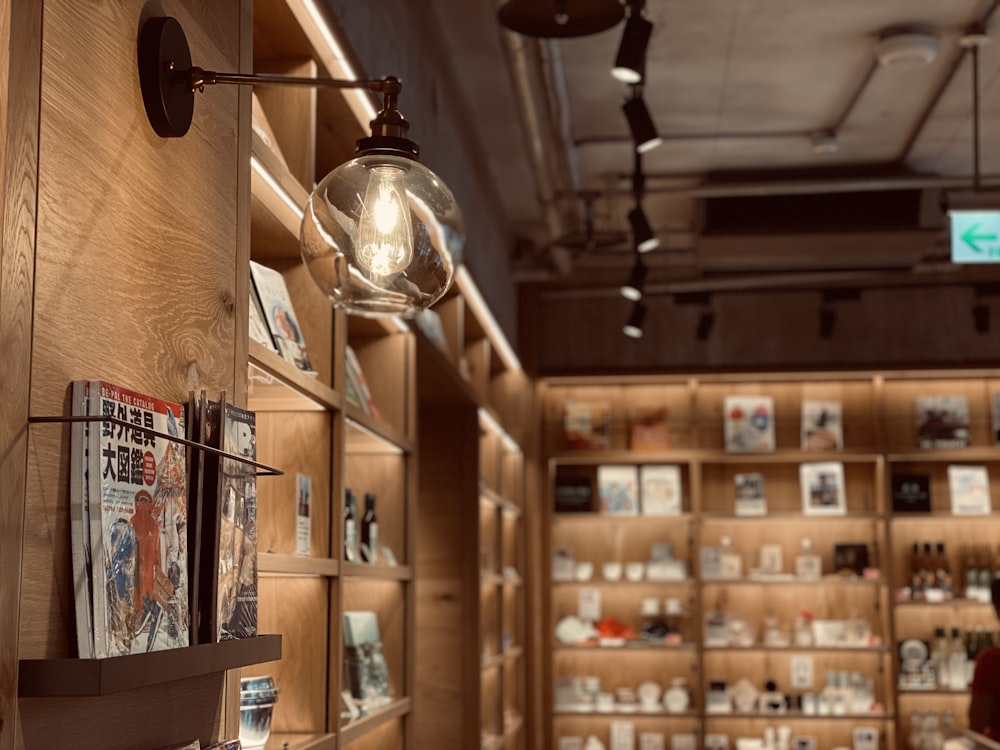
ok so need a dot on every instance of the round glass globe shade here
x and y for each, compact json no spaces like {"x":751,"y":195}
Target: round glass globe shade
{"x":351,"y":206}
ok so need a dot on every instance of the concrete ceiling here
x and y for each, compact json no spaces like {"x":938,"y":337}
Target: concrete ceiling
{"x":737,"y":89}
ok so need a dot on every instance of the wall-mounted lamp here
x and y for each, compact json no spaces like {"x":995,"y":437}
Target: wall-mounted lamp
{"x":642,"y":232}
{"x":632,"y":289}
{"x":381,"y":234}
{"x":640,"y":122}
{"x":633,"y":326}
{"x":630,"y":62}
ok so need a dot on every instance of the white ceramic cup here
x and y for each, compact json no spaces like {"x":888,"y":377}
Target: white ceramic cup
{"x":634,"y":571}
{"x":584,"y":571}
{"x":612,"y":571}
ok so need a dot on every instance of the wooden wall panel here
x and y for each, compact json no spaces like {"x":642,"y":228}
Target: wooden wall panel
{"x":138,"y":269}
{"x":20,"y":58}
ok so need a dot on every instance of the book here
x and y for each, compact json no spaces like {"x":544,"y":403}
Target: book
{"x":257,"y":326}
{"x":822,"y":485}
{"x":749,"y":424}
{"x":303,"y":507}
{"x":660,"y":490}
{"x":79,"y":516}
{"x":356,"y":380}
{"x":138,"y":519}
{"x":587,"y":424}
{"x":279,"y":314}
{"x":650,"y":431}
{"x":970,"y":490}
{"x":822,"y":426}
{"x":995,"y":416}
{"x":911,"y":493}
{"x":942,"y":421}
{"x":617,"y":486}
{"x":364,"y":662}
{"x":573,"y":494}
{"x":750,"y":497}
{"x":229,"y":575}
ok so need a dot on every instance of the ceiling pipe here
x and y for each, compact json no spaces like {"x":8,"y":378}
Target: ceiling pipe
{"x":981,"y":23}
{"x":797,"y":187}
{"x":547,"y":150}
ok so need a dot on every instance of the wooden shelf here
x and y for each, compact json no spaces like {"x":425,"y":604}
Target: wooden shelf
{"x":875,"y":650}
{"x":630,"y":646}
{"x":300,"y":741}
{"x":269,"y":562}
{"x":595,"y":517}
{"x":952,"y":455}
{"x":277,"y":385}
{"x":796,"y":716}
{"x":624,"y":582}
{"x":954,"y":603}
{"x":93,"y":677}
{"x":833,"y":583}
{"x":381,"y":572}
{"x":617,"y":713}
{"x":366,"y":724}
{"x":366,"y":435}
{"x":791,"y":518}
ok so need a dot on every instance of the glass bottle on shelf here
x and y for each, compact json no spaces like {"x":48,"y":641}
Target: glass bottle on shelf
{"x":916,"y":574}
{"x":808,"y":565}
{"x":350,"y":526}
{"x":942,"y":571}
{"x":956,"y":661}
{"x":369,"y":531}
{"x":940,"y":658}
{"x":971,"y":575}
{"x":927,"y":570}
{"x":985,"y":575}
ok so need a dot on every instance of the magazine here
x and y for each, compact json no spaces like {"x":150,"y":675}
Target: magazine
{"x":587,"y":424}
{"x":364,"y":663}
{"x":942,"y":421}
{"x":231,"y":522}
{"x":822,"y":485}
{"x":618,"y":489}
{"x":138,"y":522}
{"x":79,"y":502}
{"x":970,"y":490}
{"x":822,"y":426}
{"x":660,"y":490}
{"x":750,"y":499}
{"x":749,"y":424}
{"x":276,"y":305}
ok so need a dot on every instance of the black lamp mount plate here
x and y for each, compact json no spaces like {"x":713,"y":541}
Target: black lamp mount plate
{"x":164,"y":59}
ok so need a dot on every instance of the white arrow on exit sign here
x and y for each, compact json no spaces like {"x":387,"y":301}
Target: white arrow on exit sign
{"x":975,"y":236}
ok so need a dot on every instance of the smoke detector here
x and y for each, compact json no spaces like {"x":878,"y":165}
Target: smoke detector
{"x":906,"y":50}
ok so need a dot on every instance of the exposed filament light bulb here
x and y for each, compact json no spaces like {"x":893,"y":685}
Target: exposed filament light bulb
{"x":385,"y":231}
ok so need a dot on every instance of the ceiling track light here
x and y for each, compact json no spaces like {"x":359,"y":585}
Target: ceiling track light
{"x":381,"y":234}
{"x":630,"y":62}
{"x":633,"y":288}
{"x":633,"y":326}
{"x":640,"y":122}
{"x":642,"y":232}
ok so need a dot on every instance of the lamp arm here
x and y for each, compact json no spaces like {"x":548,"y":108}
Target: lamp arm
{"x":197,"y":78}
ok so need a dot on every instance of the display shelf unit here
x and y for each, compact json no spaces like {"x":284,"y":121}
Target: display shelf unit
{"x":879,"y":428}
{"x":471,"y":596}
{"x":305,"y":419}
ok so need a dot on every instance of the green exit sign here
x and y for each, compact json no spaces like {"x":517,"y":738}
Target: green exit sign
{"x":975,"y":236}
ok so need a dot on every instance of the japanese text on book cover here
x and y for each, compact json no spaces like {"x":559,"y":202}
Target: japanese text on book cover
{"x":139,"y":531}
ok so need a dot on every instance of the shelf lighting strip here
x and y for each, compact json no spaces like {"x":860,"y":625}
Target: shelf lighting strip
{"x":482,"y":311}
{"x":359,"y":101}
{"x":272,"y":183}
{"x":507,"y":440}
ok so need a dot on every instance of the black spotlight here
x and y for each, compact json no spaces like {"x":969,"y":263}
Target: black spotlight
{"x":630,"y":62}
{"x":640,"y":122}
{"x":632,"y":289}
{"x":642,"y":232}
{"x":633,"y":328}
